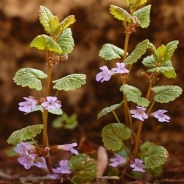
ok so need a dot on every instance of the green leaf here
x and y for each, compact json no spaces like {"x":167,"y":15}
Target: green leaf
{"x":106,"y":110}
{"x":54,"y":22}
{"x":165,"y":94}
{"x":25,"y":134}
{"x":29,"y":77}
{"x":70,"y":82}
{"x":121,"y":14}
{"x":110,"y":51}
{"x":54,"y":111}
{"x":154,"y":50}
{"x":166,"y":69}
{"x":155,"y":156}
{"x":65,"y":41}
{"x":65,"y":121}
{"x":161,"y":52}
{"x":170,"y":48}
{"x":139,"y":50}
{"x":149,"y":61}
{"x":133,"y":94}
{"x":46,"y":18}
{"x":114,"y":134}
{"x":143,"y":16}
{"x":44,"y":42}
{"x":137,"y":3}
{"x":84,"y":168}
{"x":63,"y":25}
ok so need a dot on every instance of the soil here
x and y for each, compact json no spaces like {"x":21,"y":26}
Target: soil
{"x":19,"y":25}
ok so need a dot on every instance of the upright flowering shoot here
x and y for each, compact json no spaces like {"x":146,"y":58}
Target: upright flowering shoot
{"x":57,"y":44}
{"x":140,"y":156}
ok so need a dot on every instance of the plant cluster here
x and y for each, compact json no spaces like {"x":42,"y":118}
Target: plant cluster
{"x":121,"y":138}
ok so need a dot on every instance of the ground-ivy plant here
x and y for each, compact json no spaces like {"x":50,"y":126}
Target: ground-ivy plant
{"x":122,"y":137}
{"x":57,"y":44}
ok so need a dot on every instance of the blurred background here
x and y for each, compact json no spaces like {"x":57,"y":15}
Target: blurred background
{"x":94,"y":26}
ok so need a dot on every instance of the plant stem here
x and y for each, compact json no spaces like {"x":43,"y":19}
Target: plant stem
{"x":116,"y":117}
{"x":125,"y":106}
{"x":45,"y":113}
{"x":137,"y":141}
{"x":45,"y":135}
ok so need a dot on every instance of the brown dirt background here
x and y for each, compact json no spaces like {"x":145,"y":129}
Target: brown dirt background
{"x":94,"y":26}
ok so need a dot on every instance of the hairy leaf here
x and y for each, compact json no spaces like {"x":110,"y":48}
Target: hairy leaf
{"x":24,"y":134}
{"x":46,"y":18}
{"x":65,"y":41}
{"x":165,"y":68}
{"x":84,"y":167}
{"x":154,"y":50}
{"x":110,"y":51}
{"x":137,"y":3}
{"x":29,"y":77}
{"x":139,"y":50}
{"x":114,"y":134}
{"x":165,"y":94}
{"x":170,"y":48}
{"x":161,"y":52}
{"x":149,"y":61}
{"x":70,"y":82}
{"x":143,"y":16}
{"x":44,"y":42}
{"x":121,"y":14}
{"x":64,"y":25}
{"x":106,"y":110}
{"x":155,"y":156}
{"x":133,"y":94}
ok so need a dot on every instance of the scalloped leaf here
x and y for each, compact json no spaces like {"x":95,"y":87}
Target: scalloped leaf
{"x":143,"y":16}
{"x":165,"y":94}
{"x":64,"y":25}
{"x":106,"y":110}
{"x":65,"y":41}
{"x":137,"y":3}
{"x":136,"y":54}
{"x":29,"y":77}
{"x":44,"y":42}
{"x":155,"y":156}
{"x":114,"y":134}
{"x":166,"y":69}
{"x":149,"y":61}
{"x":70,"y":82}
{"x":154,"y":50}
{"x":170,"y":48}
{"x":45,"y":17}
{"x":25,"y":134}
{"x":84,"y":167}
{"x":121,"y":14}
{"x":110,"y":51}
{"x":133,"y":94}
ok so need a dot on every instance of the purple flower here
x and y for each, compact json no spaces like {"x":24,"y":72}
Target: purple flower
{"x":68,"y":147}
{"x":51,"y":103}
{"x":104,"y":75}
{"x":27,"y":154}
{"x":64,"y":168}
{"x":138,"y":165}
{"x":29,"y":105}
{"x":117,"y":161}
{"x":120,"y":69}
{"x":139,"y":113}
{"x":161,"y":116}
